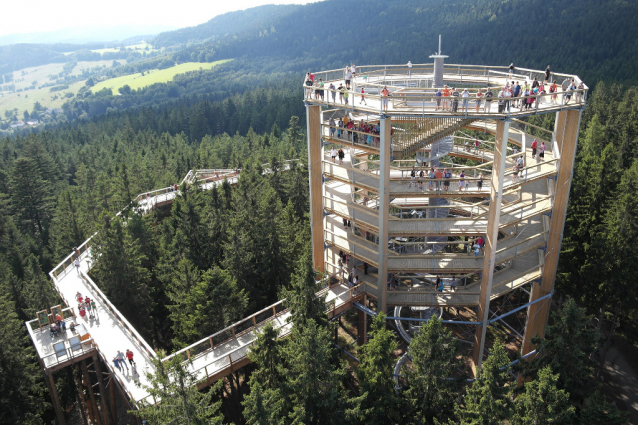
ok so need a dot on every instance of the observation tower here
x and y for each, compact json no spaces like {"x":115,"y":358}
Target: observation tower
{"x":419,"y":238}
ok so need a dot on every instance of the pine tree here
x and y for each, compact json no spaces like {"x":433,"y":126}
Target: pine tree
{"x":21,"y":389}
{"x":118,"y":269}
{"x":178,"y":400}
{"x":596,"y":410}
{"x":432,"y":389}
{"x":488,"y":400}
{"x":263,"y":406}
{"x":31,"y":199}
{"x":313,"y":382}
{"x":265,"y":354}
{"x":301,"y":298}
{"x":375,"y":375}
{"x":567,"y":348}
{"x":542,"y":402}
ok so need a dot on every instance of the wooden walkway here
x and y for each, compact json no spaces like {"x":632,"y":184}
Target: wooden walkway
{"x":212,"y":358}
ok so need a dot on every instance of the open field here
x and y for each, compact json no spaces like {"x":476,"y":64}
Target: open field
{"x":138,"y":81}
{"x":135,"y":47}
{"x":41,"y":73}
{"x":25,"y":100}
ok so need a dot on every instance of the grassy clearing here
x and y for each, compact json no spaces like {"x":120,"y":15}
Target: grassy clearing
{"x":138,"y":81}
{"x":134,"y":47}
{"x":26,"y":99}
{"x":41,"y":73}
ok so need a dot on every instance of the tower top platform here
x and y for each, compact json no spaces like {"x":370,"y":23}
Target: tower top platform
{"x":412,"y":92}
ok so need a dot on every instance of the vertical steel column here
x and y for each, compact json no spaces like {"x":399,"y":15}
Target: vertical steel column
{"x":566,"y":129}
{"x":384,"y":210}
{"x":496,"y":196}
{"x":315,"y":171}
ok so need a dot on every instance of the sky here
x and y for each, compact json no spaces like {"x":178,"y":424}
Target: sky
{"x":48,"y":15}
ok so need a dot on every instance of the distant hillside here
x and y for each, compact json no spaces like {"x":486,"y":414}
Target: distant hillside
{"x":86,"y":34}
{"x":594,"y":38}
{"x":250,"y":20}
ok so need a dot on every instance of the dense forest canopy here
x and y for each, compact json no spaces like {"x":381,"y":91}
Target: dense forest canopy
{"x":236,"y":249}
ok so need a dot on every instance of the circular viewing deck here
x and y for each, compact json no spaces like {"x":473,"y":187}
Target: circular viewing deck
{"x":411,"y":91}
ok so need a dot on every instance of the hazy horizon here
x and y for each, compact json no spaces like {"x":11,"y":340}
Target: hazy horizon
{"x":46,"y":16}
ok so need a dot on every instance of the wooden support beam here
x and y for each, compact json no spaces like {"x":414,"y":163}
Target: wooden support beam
{"x":567,"y":128}
{"x":112,"y":385}
{"x":55,"y":399}
{"x":94,"y":412}
{"x":496,"y":197}
{"x":363,"y":326}
{"x":103,"y":396}
{"x":315,"y":171}
{"x":82,"y":400}
{"x":384,"y":211}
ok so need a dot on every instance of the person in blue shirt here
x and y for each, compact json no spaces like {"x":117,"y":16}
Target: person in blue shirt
{"x":517,"y":92}
{"x":446,"y":183}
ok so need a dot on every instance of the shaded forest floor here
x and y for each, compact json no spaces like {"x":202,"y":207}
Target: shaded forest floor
{"x":620,"y":376}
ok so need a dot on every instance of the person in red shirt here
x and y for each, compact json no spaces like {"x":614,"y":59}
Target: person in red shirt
{"x":534,"y":146}
{"x":129,"y":356}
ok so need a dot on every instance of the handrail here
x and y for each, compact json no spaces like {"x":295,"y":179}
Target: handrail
{"x":226,"y":329}
{"x":120,"y":317}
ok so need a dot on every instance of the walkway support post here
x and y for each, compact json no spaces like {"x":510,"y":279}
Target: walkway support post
{"x":566,"y":129}
{"x":384,"y":211}
{"x":363,"y":325}
{"x":48,"y":377}
{"x":496,"y":197}
{"x":315,"y":157}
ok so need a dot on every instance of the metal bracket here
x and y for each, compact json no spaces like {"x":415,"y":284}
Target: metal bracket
{"x":548,"y":214}
{"x":325,"y":179}
{"x":324,"y":143}
{"x":326,"y":213}
{"x":326,"y":246}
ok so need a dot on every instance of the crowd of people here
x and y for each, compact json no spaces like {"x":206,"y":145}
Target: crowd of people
{"x":361,"y":132}
{"x":440,"y":177}
{"x":524,"y":95}
{"x":86,"y":306}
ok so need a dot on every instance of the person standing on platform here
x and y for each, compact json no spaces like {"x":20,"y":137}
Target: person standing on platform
{"x":348,"y":78}
{"x":365,"y":268}
{"x":541,"y":151}
{"x":534,"y":146}
{"x":446,"y":98}
{"x":466,"y":99}
{"x":479,"y":182}
{"x":409,"y":68}
{"x":385,"y":93}
{"x":341,"y":156}
{"x":341,"y":90}
{"x":547,"y":74}
{"x":76,"y":263}
{"x":333,"y":154}
{"x":488,"y":100}
{"x":120,"y":358}
{"x":517,"y":93}
{"x":116,"y":362}
{"x":129,"y":356}
{"x":439,"y":95}
{"x":455,"y":100}
{"x":461,"y":180}
{"x":93,"y":308}
{"x":363,"y":97}
{"x":479,"y":96}
{"x":346,"y":95}
{"x":446,"y":183}
{"x":333,"y":93}
{"x":439,"y":175}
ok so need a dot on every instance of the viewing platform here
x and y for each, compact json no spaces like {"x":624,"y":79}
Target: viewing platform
{"x":412,"y":91}
{"x":431,"y":179}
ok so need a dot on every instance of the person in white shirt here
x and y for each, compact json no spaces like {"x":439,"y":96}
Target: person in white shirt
{"x":333,"y":154}
{"x":465,"y":95}
{"x":409,"y":68}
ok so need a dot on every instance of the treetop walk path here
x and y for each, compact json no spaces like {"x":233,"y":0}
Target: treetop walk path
{"x":209,"y":359}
